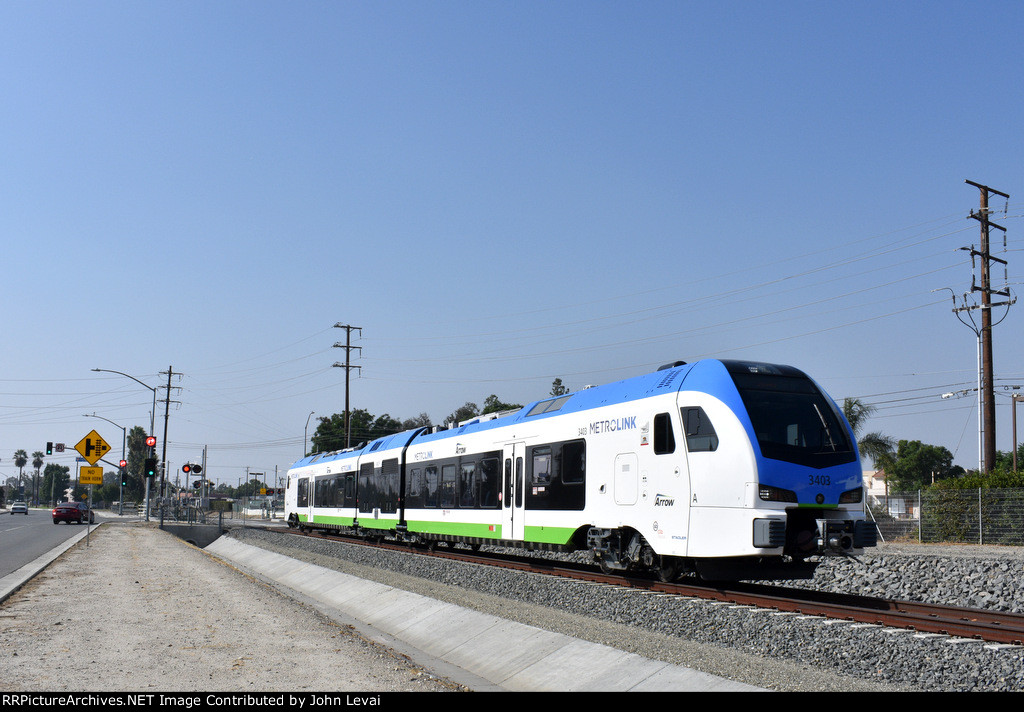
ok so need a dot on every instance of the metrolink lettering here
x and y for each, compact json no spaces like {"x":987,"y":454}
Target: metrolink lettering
{"x":611,"y":426}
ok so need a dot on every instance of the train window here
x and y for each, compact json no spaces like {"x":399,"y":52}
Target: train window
{"x":467,"y":484}
{"x":368,"y":494}
{"x":350,"y":489}
{"x":541,"y":465}
{"x":700,"y":433}
{"x":447,"y":493}
{"x":323,"y":492}
{"x":433,"y":486}
{"x":794,"y":421}
{"x":549,"y":406}
{"x":389,"y":485}
{"x":555,"y":475}
{"x":508,"y":482}
{"x":574,"y":462}
{"x":664,"y":440}
{"x":519,"y":482}
{"x":302,"y":491}
{"x":488,"y":482}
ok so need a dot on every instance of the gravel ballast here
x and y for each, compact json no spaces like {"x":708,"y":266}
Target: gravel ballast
{"x":756,"y":646}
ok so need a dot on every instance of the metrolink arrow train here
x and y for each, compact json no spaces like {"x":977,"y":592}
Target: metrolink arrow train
{"x":724,"y":469}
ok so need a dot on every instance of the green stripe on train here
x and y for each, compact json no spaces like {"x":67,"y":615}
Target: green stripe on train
{"x":539,"y":535}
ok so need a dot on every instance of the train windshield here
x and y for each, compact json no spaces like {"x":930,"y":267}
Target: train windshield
{"x":792,"y":419}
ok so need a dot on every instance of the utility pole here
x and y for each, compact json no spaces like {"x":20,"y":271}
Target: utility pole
{"x":167,"y":413}
{"x":348,"y":369}
{"x":987,"y":393}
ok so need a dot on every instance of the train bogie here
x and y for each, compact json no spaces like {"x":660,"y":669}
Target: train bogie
{"x":726,"y":469}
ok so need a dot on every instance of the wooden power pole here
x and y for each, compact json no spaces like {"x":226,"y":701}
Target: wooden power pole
{"x":348,"y":369}
{"x":988,"y":413}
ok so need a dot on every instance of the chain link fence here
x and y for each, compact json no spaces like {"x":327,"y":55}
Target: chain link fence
{"x":976,"y":516}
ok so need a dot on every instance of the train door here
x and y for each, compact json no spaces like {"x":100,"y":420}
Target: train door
{"x":304,"y":499}
{"x":513,"y":492}
{"x":627,"y":483}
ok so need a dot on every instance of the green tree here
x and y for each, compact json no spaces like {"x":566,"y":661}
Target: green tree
{"x":20,"y":460}
{"x":879,"y":448}
{"x":1004,"y":460}
{"x":420,"y":421}
{"x":37,"y":462}
{"x":917,"y":465}
{"x":109,"y":491}
{"x":557,"y":389}
{"x":251,"y":488}
{"x":493,"y":405}
{"x":363,"y":427}
{"x":465,"y":412}
{"x":137,"y":454}
{"x":56,"y":479}
{"x":384,"y":425}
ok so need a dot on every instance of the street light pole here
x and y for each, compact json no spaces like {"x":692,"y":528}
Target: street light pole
{"x":305,"y":440}
{"x":152,"y":418}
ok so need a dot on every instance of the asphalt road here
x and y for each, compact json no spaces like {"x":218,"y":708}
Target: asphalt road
{"x":25,"y":538}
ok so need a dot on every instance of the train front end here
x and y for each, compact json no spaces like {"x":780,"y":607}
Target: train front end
{"x":807,"y":464}
{"x":804,"y":497}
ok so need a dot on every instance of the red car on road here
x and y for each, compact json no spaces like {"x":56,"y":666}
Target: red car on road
{"x":69,"y":512}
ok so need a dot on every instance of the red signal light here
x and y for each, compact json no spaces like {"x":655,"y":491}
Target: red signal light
{"x":186,"y":468}
{"x":151,"y":441}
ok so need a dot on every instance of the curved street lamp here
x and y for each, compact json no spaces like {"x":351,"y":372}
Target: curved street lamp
{"x":152,"y":417}
{"x":306,"y":433}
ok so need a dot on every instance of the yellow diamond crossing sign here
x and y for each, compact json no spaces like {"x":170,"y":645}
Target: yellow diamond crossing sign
{"x":92,"y":447}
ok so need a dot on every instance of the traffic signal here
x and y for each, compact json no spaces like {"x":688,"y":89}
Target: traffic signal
{"x":49,"y":448}
{"x":151,"y":441}
{"x":150,"y":468}
{"x":124,"y":477}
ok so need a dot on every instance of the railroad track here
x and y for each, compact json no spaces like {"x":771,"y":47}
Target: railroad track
{"x":984,"y":625}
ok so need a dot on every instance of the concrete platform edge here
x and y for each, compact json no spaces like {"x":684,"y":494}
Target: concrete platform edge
{"x":470,"y":652}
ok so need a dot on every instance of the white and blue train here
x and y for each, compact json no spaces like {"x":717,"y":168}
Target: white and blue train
{"x":725,"y":469}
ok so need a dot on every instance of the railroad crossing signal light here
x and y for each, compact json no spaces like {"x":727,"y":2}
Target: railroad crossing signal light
{"x":186,"y":468}
{"x":197,"y":484}
{"x":196,"y":469}
{"x":150,"y":468}
{"x":49,"y":448}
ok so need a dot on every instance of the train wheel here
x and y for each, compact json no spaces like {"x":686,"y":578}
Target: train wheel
{"x":668,"y":569}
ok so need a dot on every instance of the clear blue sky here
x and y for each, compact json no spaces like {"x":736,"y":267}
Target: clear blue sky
{"x":498,"y":193}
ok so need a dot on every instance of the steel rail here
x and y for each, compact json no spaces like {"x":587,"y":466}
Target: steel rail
{"x":984,"y":625}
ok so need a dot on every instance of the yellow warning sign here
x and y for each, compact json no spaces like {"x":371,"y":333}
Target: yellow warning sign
{"x":90,"y":476}
{"x":92,"y":447}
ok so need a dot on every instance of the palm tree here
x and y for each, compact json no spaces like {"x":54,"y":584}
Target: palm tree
{"x":20,"y":460}
{"x":37,"y":462}
{"x":880,"y":448}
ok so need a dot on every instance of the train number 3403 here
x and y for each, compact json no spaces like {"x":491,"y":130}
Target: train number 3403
{"x":820,"y":480}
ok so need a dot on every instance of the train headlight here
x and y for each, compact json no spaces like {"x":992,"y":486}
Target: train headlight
{"x":775,"y":494}
{"x":852,"y":496}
